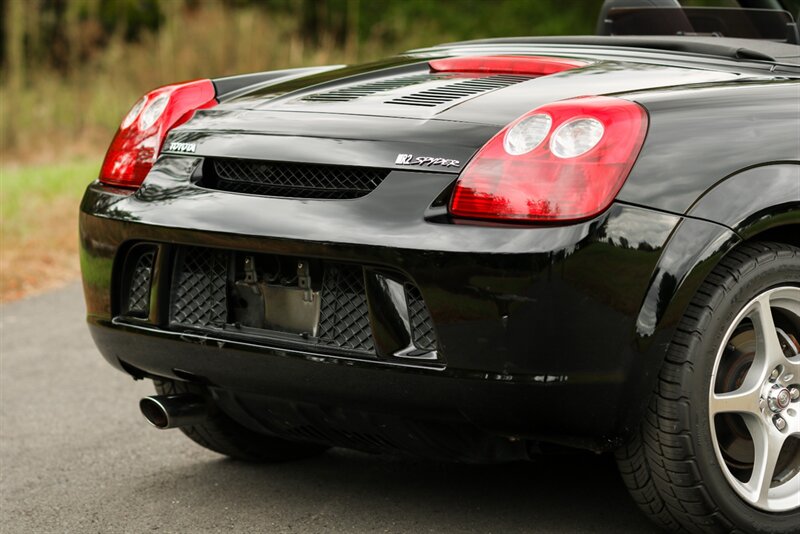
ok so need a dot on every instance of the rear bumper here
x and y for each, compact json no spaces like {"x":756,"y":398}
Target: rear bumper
{"x":537,"y":325}
{"x":526,"y":406}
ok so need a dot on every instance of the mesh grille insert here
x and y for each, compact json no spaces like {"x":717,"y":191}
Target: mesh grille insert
{"x":200,"y":299}
{"x":138,"y":302}
{"x":422,"y":332}
{"x":200,"y":295}
{"x":457,"y":90}
{"x":294,"y":180}
{"x":344,"y":313}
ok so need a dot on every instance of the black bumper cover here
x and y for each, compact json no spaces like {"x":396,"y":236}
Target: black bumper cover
{"x":540,"y":327}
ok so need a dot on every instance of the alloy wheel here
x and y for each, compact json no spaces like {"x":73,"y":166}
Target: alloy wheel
{"x":754,"y":401}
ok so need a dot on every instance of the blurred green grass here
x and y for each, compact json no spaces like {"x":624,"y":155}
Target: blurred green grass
{"x":26,"y":191}
{"x":39,"y":231}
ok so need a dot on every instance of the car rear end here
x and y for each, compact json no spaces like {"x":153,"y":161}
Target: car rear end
{"x":336,"y":259}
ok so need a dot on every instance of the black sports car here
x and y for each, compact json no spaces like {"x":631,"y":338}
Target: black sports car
{"x":480,"y":252}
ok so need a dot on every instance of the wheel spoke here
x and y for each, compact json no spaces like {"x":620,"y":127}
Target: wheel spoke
{"x":792,"y":370}
{"x":768,"y":351}
{"x":744,"y":400}
{"x":767,"y":444}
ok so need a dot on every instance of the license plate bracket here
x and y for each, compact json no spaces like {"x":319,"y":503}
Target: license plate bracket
{"x":290,"y":309}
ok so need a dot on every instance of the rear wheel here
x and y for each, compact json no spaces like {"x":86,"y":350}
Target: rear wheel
{"x":222,"y":434}
{"x":719,"y":449}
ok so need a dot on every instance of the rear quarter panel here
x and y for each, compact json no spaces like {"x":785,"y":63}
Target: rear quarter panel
{"x":727,"y":157}
{"x":701,"y":135}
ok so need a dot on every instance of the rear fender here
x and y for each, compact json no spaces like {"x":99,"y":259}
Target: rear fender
{"x":691,"y":253}
{"x":743,"y":206}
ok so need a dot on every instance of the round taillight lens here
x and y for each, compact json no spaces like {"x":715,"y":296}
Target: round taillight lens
{"x":153,"y":111}
{"x":133,"y":114}
{"x":527,"y":134}
{"x":576,"y":137}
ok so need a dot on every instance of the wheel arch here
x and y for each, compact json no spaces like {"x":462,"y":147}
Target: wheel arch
{"x":757,"y":204}
{"x":755,"y":201}
{"x":788,"y":234}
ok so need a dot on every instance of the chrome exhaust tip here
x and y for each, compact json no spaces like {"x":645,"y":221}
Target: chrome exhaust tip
{"x":174,"y":411}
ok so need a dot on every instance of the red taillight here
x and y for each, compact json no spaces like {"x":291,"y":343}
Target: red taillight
{"x":564,"y":161}
{"x":139,"y":138}
{"x":520,"y":65}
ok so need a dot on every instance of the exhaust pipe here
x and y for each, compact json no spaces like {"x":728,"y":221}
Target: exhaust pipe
{"x":174,"y":411}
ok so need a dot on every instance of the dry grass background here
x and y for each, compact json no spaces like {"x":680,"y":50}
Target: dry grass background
{"x":39,"y":231}
{"x":43,"y":260}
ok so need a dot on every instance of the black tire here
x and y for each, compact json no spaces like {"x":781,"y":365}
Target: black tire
{"x":670,"y":465}
{"x":222,"y":434}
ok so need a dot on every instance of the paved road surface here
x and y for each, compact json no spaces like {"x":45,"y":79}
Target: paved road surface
{"x":76,"y":456}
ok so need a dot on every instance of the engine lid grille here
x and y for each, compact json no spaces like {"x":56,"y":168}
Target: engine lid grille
{"x":457,"y":90}
{"x":353,"y":92}
{"x":293,"y":180}
{"x":422,"y":90}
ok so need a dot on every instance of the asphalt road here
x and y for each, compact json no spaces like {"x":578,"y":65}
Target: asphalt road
{"x":76,"y":456}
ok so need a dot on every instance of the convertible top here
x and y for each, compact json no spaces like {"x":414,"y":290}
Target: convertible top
{"x":726,"y":47}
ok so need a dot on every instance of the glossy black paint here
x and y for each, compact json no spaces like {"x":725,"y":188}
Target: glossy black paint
{"x":498,"y":304}
{"x":550,"y":333}
{"x":701,"y":135}
{"x":230,"y":87}
{"x":333,"y":139}
{"x":754,"y":200}
{"x":501,"y":295}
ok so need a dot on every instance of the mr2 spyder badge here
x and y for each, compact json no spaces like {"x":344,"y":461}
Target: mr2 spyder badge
{"x":425,"y":161}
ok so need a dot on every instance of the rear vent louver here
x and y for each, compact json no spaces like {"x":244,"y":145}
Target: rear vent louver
{"x":422,"y":332}
{"x":344,"y":313}
{"x":293,"y":180}
{"x":352,"y":92}
{"x":139,"y":273}
{"x":457,"y":90}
